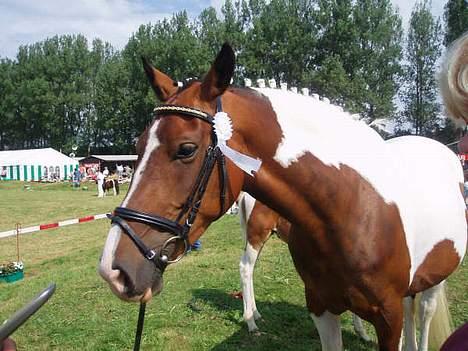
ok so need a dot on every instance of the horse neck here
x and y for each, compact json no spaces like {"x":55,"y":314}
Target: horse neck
{"x":311,"y":152}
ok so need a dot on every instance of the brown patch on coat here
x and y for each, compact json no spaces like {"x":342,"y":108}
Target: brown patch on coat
{"x":350,"y":248}
{"x":261,"y":223}
{"x":439,"y":263}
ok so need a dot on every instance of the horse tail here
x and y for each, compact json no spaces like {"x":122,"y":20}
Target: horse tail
{"x":453,"y":80}
{"x":441,"y":324}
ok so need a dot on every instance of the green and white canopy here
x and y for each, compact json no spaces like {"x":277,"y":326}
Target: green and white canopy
{"x":35,"y":164}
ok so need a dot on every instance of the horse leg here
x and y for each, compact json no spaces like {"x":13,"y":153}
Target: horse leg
{"x":256,"y":221}
{"x":388,"y":323}
{"x":113,"y":187}
{"x":359,"y":328}
{"x":327,"y":324}
{"x":246,"y":268}
{"x":329,"y":329}
{"x":409,"y":325}
{"x":247,"y":263}
{"x":427,"y":309}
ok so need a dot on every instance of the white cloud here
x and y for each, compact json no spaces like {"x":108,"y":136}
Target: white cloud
{"x":27,"y":21}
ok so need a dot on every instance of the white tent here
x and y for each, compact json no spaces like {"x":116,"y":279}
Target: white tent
{"x":35,"y":164}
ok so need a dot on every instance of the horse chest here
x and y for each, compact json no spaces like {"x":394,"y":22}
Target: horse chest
{"x":341,"y":266}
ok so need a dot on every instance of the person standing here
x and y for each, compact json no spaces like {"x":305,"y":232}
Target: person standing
{"x":76,"y":178}
{"x":100,"y":182}
{"x":105,"y":172}
{"x":196,"y":246}
{"x":120,"y":170}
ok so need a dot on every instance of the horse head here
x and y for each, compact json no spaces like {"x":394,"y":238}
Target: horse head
{"x":181,"y":183}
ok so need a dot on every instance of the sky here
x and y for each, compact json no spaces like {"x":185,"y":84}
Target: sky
{"x":28,"y":21}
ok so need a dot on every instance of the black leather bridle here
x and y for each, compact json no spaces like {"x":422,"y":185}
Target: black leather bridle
{"x":191,"y":206}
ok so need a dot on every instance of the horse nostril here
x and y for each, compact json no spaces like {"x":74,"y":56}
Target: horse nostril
{"x":125,"y":280}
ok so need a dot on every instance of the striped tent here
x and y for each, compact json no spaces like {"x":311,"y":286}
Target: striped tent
{"x":35,"y":165}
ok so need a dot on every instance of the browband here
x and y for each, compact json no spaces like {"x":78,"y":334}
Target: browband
{"x":184,"y":110}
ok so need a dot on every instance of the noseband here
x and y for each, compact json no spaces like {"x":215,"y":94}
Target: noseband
{"x":191,"y":206}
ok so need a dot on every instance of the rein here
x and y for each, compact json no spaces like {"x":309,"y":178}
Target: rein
{"x":189,"y":210}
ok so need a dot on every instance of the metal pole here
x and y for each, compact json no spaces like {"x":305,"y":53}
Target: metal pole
{"x":18,"y":230}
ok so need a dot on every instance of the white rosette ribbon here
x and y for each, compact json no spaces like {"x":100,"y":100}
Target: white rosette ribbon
{"x":223,"y":129}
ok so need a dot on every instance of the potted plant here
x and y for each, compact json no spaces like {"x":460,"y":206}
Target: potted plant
{"x":11,"y":272}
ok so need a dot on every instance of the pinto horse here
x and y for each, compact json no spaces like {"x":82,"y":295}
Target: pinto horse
{"x":111,"y":184}
{"x":258,"y":223}
{"x":372,"y":222}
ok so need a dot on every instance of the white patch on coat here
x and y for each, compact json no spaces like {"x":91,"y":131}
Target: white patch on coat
{"x":152,"y":144}
{"x":113,"y":237}
{"x":246,"y":268}
{"x":427,"y":176}
{"x":329,"y":328}
{"x":107,"y":258}
{"x":419,"y":175}
{"x":247,"y":263}
{"x":246,"y":205}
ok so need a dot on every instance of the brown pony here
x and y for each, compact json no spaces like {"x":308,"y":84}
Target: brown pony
{"x":111,"y":184}
{"x":365,"y":233}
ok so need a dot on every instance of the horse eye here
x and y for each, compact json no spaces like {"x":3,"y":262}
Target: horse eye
{"x":186,"y":150}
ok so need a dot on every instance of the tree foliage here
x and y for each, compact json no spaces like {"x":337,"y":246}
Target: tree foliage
{"x":456,"y":19}
{"x":419,"y":94}
{"x":65,"y":90}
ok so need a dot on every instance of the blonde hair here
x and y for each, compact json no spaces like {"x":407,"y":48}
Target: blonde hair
{"x":453,"y":80}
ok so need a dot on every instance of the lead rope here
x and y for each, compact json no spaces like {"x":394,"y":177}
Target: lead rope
{"x":139,"y":331}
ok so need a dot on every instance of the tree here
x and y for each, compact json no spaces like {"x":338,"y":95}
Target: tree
{"x":280,"y":44}
{"x":377,"y":58}
{"x":63,"y":91}
{"x":7,"y":101}
{"x":456,"y":19}
{"x":209,"y":32}
{"x":357,"y":55}
{"x":172,"y":46}
{"x":419,"y":94}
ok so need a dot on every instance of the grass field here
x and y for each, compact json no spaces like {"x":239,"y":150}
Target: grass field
{"x":195,"y":310}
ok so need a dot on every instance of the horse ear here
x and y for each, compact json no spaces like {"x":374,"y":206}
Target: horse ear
{"x":163,"y":85}
{"x":220,"y":74}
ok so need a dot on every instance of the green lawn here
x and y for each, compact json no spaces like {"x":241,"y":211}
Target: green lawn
{"x":36,"y":203}
{"x":195,"y":310}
